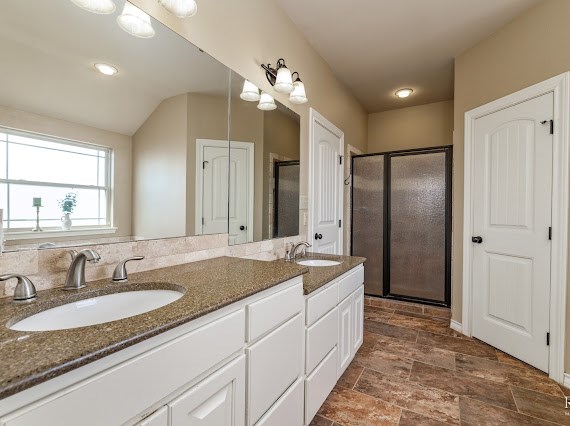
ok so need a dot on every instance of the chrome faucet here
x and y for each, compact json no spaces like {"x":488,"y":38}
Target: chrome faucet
{"x":120,"y":273}
{"x":25,"y":290}
{"x":76,"y":274}
{"x":293,"y":252}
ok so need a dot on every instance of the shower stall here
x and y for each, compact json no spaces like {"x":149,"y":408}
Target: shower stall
{"x":401,"y":222}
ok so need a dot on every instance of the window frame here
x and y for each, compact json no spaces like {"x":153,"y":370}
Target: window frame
{"x":108,"y":188}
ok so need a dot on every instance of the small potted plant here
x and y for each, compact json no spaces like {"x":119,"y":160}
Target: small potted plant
{"x":67,"y":204}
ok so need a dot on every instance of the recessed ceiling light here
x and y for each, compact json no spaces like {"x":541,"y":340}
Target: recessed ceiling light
{"x":100,"y":7}
{"x":106,"y":69}
{"x":404,"y":93}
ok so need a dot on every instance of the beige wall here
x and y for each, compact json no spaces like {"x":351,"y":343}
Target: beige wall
{"x":414,"y":127}
{"x":265,"y":34}
{"x":120,"y":144}
{"x":159,"y":171}
{"x":532,"y":48}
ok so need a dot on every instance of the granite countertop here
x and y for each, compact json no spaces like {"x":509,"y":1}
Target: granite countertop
{"x":318,"y":276}
{"x":29,"y":358}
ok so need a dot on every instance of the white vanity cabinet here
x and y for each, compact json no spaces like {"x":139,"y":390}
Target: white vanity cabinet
{"x":196,"y":374}
{"x":333,"y":333}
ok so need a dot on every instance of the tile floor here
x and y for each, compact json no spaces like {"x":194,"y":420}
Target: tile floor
{"x":413,"y":370}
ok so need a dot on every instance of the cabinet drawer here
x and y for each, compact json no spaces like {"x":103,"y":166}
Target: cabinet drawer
{"x":274,"y":363}
{"x":273,"y":310}
{"x":288,"y":410}
{"x":321,"y":338}
{"x":158,"y":418}
{"x":217,"y":400}
{"x":158,"y":372}
{"x":319,"y":384}
{"x":349,"y":282}
{"x":322,"y":302}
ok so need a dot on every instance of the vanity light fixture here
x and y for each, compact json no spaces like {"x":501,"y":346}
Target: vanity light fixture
{"x":106,"y":68}
{"x":266,"y":102}
{"x":298,"y":95}
{"x":180,"y":8}
{"x":250,"y":92}
{"x":100,"y":7}
{"x":404,"y":93}
{"x":135,"y":22}
{"x":279,"y":77}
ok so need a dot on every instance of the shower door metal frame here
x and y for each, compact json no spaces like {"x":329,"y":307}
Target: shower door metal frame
{"x":276,"y":166}
{"x":448,"y":151}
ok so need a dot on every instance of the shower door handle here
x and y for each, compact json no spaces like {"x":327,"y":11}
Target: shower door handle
{"x":477,"y":240}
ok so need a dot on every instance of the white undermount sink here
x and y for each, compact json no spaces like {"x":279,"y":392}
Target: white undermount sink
{"x":317,"y":262}
{"x":97,"y":310}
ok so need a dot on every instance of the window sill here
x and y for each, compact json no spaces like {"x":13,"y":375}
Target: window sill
{"x":57,"y":233}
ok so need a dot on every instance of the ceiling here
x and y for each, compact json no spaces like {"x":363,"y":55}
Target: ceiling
{"x":48,"y":51}
{"x":378,"y":46}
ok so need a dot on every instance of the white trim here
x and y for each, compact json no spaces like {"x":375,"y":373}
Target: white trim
{"x":55,"y":233}
{"x":250,"y":147}
{"x":314,"y":118}
{"x":566,"y":381}
{"x":456,"y":326}
{"x":560,"y":87}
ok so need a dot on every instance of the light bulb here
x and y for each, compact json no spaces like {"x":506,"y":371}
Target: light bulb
{"x":283,"y":82}
{"x":135,"y":22}
{"x":250,"y":92}
{"x":298,"y":95}
{"x":404,"y":93}
{"x":180,"y":8}
{"x":266,"y":102}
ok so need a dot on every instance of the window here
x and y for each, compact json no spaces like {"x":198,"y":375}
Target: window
{"x":35,"y":166}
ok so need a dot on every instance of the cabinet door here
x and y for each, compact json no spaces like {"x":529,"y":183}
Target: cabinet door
{"x":357,"y":318}
{"x":158,"y":418}
{"x":345,"y":331}
{"x":218,"y":400}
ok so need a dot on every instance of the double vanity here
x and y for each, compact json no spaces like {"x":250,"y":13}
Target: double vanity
{"x":236,"y":342}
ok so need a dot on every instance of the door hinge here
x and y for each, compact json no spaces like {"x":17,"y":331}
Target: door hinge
{"x":547,"y":339}
{"x":340,"y":160}
{"x":550,"y":232}
{"x":340,"y":223}
{"x":203,"y":221}
{"x":551,"y":125}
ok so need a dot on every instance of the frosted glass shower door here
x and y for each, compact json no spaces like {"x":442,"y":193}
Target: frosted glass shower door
{"x":368,"y":219}
{"x":418,"y":222}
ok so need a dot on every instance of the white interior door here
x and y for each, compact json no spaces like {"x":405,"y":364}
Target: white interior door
{"x":327,"y":145}
{"x":215,"y":190}
{"x":512,"y":203}
{"x":241,"y":193}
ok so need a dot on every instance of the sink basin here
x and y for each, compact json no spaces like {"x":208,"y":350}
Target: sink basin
{"x":97,"y":310}
{"x":318,"y":262}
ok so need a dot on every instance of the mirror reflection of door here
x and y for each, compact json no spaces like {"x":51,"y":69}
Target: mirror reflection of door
{"x":240,"y":223}
{"x":286,"y":199}
{"x":214,"y":209}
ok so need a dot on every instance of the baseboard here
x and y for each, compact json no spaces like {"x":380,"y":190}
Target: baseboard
{"x":566,"y":380}
{"x":455,"y":325}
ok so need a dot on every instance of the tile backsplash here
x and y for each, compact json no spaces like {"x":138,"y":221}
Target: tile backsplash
{"x":48,"y":268}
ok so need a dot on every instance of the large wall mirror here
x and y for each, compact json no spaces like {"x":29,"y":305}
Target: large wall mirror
{"x":264,"y":178}
{"x":123,"y":147}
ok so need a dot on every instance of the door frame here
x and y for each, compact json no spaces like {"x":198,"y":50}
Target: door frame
{"x":216,"y":143}
{"x":560,"y":87}
{"x":315,"y":118}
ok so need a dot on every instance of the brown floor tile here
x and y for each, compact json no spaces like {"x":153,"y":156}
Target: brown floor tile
{"x":390,"y":330}
{"x":542,"y":406}
{"x":351,"y":408}
{"x":320,"y":421}
{"x":409,"y":418}
{"x":384,"y":362}
{"x":480,"y":414}
{"x":507,"y":359}
{"x":377,"y":314}
{"x":512,"y":374}
{"x":461,"y":345}
{"x":417,"y":315}
{"x":430,"y":402}
{"x":434,"y":311}
{"x":398,"y":305}
{"x":378,"y":308}
{"x":350,"y":375}
{"x":424,"y":324}
{"x":415,"y":351}
{"x":460,"y":384}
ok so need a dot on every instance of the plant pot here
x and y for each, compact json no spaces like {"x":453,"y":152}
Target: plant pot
{"x":66,"y":222}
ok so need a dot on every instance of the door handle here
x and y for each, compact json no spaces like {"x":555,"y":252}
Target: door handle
{"x":242,"y":228}
{"x":318,"y":236}
{"x":477,"y":240}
